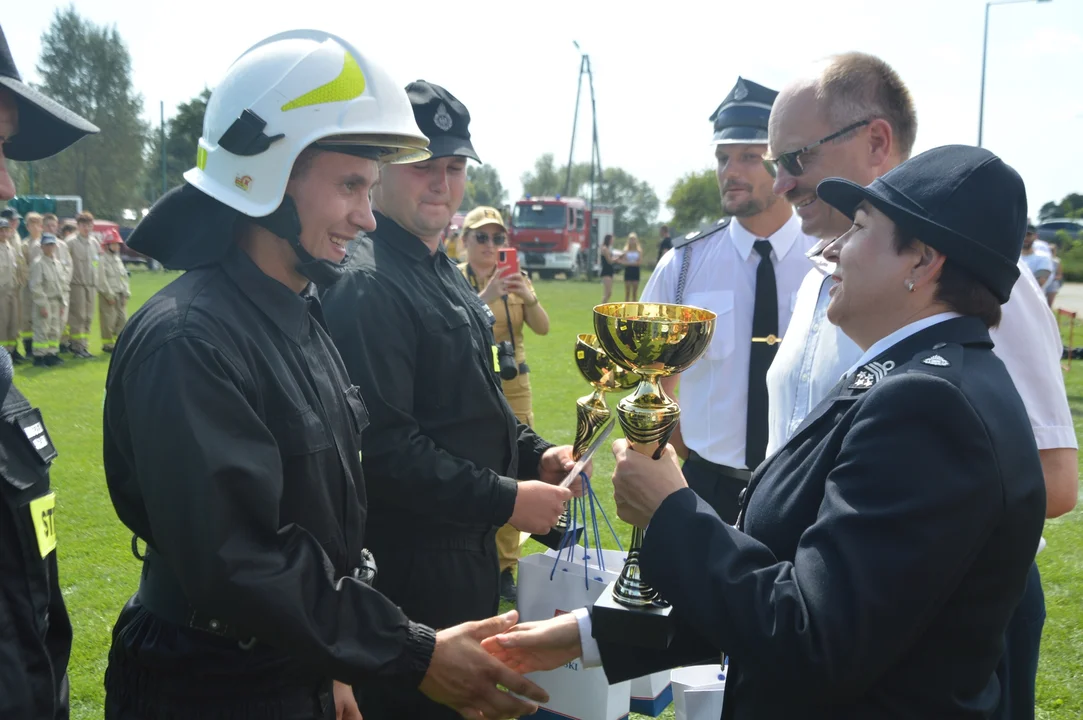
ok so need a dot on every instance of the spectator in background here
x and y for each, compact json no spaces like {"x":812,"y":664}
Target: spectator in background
{"x":609,"y":267}
{"x":513,"y":302}
{"x":665,"y":243}
{"x":48,"y":279}
{"x":83,"y":248}
{"x":51,"y":223}
{"x":1056,"y":281}
{"x":630,"y":259}
{"x":66,"y":229}
{"x":113,"y":291}
{"x":9,"y":291}
{"x":453,"y":245}
{"x":1040,"y":263}
{"x":31,"y":251}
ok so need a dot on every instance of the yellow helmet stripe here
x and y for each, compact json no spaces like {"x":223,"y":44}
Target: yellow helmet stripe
{"x":349,"y":84}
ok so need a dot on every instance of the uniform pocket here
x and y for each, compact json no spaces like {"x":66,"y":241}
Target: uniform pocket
{"x":720,"y":302}
{"x":359,"y":414}
{"x":300,"y":434}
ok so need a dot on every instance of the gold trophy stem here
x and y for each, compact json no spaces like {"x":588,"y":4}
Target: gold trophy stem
{"x":631,"y":590}
{"x":591,"y":414}
{"x":648,"y":417}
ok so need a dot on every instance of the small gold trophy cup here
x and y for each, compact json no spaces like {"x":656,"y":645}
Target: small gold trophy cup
{"x":652,"y":340}
{"x":591,"y":412}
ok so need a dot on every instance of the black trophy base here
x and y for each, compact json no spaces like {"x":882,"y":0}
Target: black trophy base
{"x":555,"y":537}
{"x":649,"y":627}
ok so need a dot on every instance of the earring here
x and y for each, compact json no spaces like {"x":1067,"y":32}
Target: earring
{"x":910,"y":285}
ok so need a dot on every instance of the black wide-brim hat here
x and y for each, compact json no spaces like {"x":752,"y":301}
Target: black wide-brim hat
{"x":45,"y":126}
{"x":963,"y":201}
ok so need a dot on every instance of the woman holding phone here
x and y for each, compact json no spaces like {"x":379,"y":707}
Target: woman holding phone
{"x":630,"y":259}
{"x":510,"y":295}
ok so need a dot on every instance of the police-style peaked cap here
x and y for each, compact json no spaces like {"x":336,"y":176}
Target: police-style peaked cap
{"x":742,"y":116}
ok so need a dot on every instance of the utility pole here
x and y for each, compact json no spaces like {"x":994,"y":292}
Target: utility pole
{"x":595,"y":154}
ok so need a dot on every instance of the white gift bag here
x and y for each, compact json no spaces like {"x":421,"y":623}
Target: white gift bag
{"x":574,"y":691}
{"x":651,"y":694}
{"x":698,"y":692}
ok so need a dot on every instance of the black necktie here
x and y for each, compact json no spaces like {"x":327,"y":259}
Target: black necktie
{"x":764,"y":346}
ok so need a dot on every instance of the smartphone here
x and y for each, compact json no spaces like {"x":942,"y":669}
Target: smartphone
{"x":507,"y":259}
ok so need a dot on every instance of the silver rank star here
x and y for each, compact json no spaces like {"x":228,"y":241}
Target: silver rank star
{"x":936,"y":361}
{"x":862,"y":381}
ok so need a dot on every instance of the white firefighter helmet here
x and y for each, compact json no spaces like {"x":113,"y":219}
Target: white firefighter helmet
{"x":286,"y":93}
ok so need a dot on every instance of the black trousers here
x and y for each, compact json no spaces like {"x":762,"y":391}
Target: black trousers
{"x":1018,"y":669}
{"x":715,"y":485}
{"x":440,"y":580}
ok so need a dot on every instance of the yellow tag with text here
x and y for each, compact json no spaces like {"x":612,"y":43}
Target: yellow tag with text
{"x":43,"y":513}
{"x":496,"y":360}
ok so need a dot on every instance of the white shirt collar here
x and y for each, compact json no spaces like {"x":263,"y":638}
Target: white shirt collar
{"x":781,"y":242}
{"x":898,"y":336}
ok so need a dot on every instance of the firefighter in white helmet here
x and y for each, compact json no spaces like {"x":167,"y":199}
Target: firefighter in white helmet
{"x":232,"y":430}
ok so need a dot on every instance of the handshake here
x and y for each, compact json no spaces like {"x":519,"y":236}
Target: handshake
{"x":477,"y":667}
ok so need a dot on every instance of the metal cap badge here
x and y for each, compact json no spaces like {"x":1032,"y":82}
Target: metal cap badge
{"x":742,"y":116}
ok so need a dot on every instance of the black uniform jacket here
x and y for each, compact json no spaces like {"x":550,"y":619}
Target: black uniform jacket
{"x":35,"y":633}
{"x":232,"y":448}
{"x":443,"y":448}
{"x":885,"y":546}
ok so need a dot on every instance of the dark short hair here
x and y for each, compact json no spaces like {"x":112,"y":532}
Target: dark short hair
{"x":84,"y":217}
{"x":607,"y":240}
{"x":957,"y":288}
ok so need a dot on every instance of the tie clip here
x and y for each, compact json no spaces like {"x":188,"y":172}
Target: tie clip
{"x":770,"y":339}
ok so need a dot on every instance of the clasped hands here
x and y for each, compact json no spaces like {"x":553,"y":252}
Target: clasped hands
{"x":640,"y":485}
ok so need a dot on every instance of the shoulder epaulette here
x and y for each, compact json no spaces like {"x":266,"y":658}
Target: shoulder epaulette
{"x":700,"y":234}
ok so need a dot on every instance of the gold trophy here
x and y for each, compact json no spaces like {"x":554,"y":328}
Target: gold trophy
{"x":652,"y":340}
{"x":591,"y":413}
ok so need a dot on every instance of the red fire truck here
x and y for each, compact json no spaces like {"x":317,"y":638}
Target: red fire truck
{"x":558,"y":235}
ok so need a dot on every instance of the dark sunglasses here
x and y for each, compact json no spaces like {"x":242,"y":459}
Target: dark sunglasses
{"x":791,"y":161}
{"x":483,"y":238}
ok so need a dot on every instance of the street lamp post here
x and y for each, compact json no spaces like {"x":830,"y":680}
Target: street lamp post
{"x":984,"y":51}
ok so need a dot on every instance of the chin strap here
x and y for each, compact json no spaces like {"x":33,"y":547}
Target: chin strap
{"x":286,"y":224}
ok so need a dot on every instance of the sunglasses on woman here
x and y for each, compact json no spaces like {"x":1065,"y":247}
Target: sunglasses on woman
{"x":792,"y":161}
{"x":497,"y":238}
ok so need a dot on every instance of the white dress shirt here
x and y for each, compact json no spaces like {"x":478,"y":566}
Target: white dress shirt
{"x":815,"y":354}
{"x":722,"y":278}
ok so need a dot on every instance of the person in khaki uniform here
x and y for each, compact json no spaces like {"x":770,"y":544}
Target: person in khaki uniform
{"x":63,"y":239}
{"x":47,"y":280}
{"x":113,"y":291}
{"x":31,"y":250}
{"x":9,"y":291}
{"x":83,"y":247}
{"x":512,"y":300}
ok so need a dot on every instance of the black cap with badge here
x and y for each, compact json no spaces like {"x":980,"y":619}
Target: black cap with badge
{"x":45,"y":126}
{"x":963,"y":201}
{"x":443,"y":119}
{"x":742,"y":116}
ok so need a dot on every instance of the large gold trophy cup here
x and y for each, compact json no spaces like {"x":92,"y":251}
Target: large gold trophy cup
{"x":652,"y":340}
{"x":591,"y":412}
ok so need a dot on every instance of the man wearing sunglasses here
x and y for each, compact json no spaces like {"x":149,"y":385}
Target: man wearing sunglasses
{"x":855,"y":119}
{"x":446,"y":462}
{"x":746,"y":268}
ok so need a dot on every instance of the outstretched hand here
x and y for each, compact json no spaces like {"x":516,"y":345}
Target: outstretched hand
{"x":536,"y":646}
{"x":465,"y":677}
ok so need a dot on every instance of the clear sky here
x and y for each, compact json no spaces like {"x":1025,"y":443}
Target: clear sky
{"x":660,"y":68}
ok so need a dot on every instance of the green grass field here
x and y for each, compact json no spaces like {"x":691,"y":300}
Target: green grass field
{"x":98,"y":571}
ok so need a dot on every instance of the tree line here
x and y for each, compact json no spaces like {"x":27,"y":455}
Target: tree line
{"x":88,"y":68}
